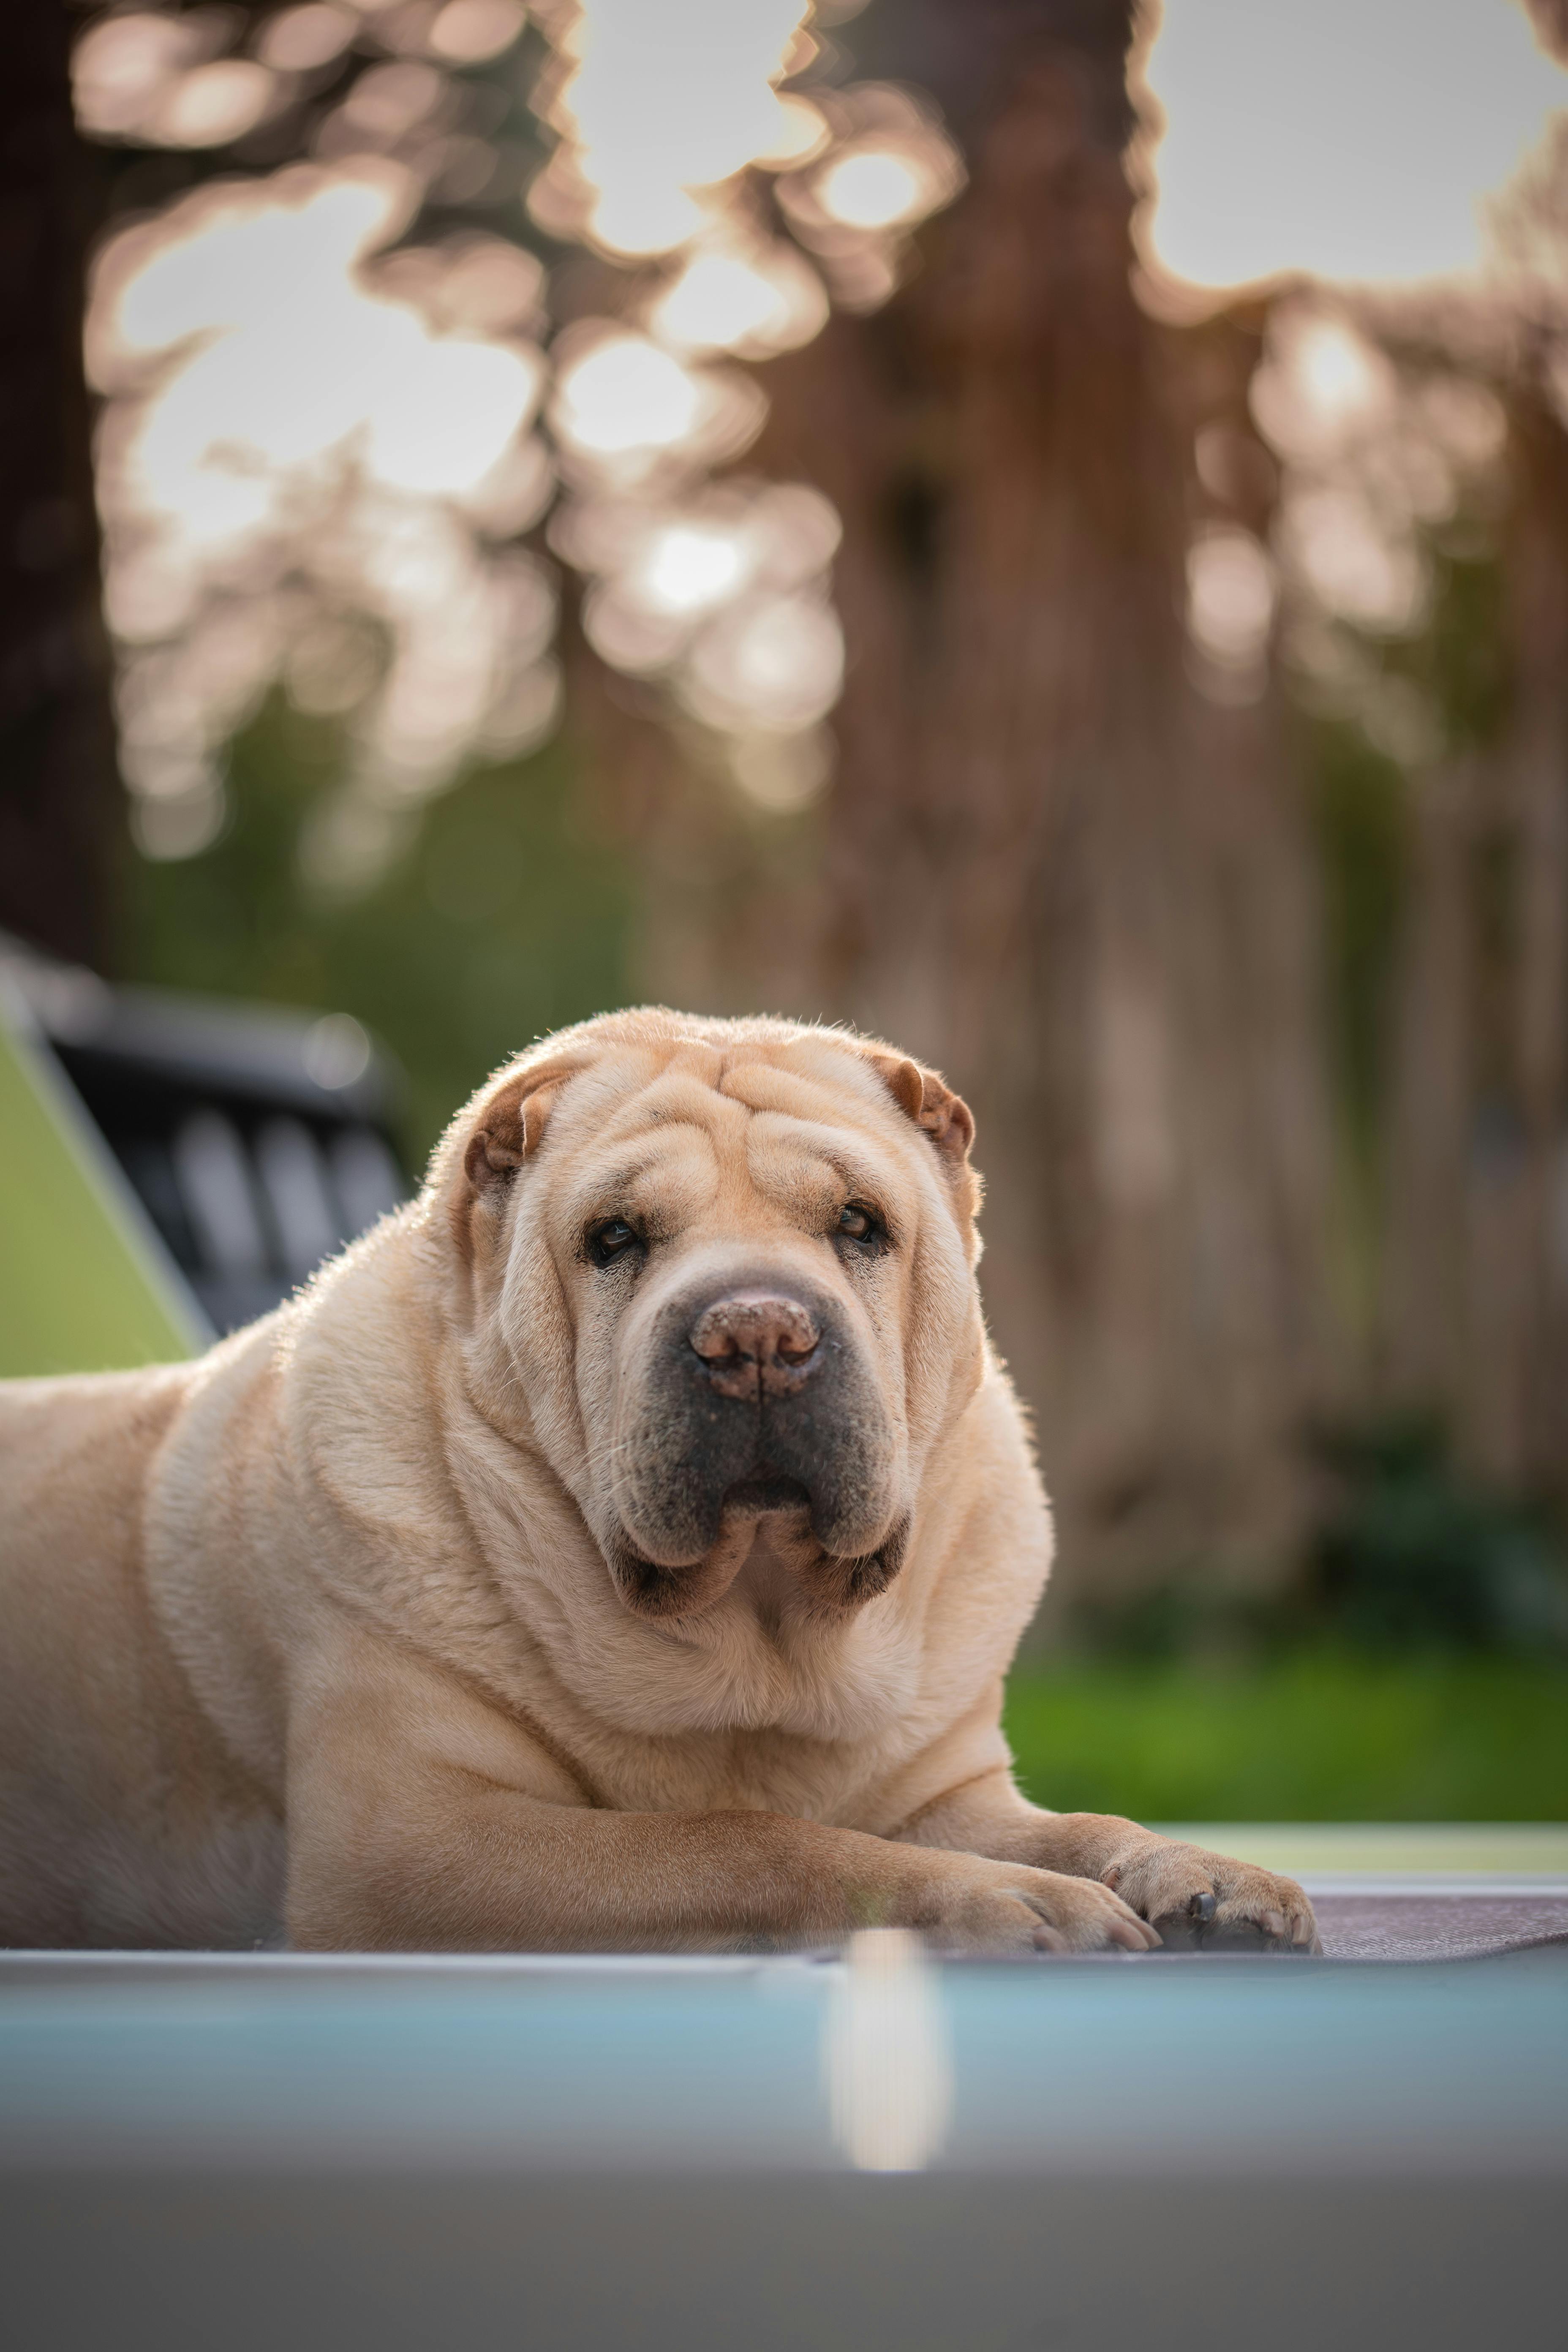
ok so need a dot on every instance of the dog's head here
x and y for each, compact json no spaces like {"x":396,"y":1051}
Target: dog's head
{"x":725,"y":1273}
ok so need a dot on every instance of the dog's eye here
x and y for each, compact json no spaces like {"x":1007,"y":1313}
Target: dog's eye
{"x":610,"y":1240}
{"x":860,"y":1224}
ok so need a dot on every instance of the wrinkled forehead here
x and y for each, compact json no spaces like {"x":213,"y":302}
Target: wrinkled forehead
{"x":691,"y":1125}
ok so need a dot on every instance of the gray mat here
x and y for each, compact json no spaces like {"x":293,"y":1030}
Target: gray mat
{"x":1439,"y":1924}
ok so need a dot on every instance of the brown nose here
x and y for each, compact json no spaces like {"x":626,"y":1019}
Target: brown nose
{"x":755,"y":1343}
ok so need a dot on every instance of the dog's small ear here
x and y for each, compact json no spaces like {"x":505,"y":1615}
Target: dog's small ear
{"x":931,"y":1102}
{"x":510,"y":1131}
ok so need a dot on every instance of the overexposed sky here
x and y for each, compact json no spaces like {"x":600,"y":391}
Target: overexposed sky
{"x":1351,"y":138}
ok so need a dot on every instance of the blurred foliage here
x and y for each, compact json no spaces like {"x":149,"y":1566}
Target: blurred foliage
{"x":503,"y":918}
{"x":1416,"y":1556}
{"x":1313,"y":1735}
{"x":487,"y":99}
{"x":1458,"y":661}
{"x":1449,"y":679}
{"x":1409,"y":1556}
{"x":1359,"y":810}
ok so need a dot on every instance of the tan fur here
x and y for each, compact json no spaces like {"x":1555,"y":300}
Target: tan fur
{"x":322,"y":1634}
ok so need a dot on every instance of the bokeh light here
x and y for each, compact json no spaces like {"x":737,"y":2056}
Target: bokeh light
{"x":323,"y":436}
{"x":656,"y":107}
{"x":752,"y":303}
{"x":1231,"y":596}
{"x":726,"y":592}
{"x":157,"y":78}
{"x":468,"y":32}
{"x":871,"y":189}
{"x":286,"y":443}
{"x":1369,"y":462}
{"x":890,"y":166}
{"x":1364,"y":138}
{"x":301,"y":40}
{"x":621,"y":405}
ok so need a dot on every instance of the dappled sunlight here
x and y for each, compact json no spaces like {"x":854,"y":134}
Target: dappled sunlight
{"x":776,"y":664}
{"x":871,"y":190}
{"x":751,"y":302}
{"x":661,"y":112}
{"x":1324,"y":383}
{"x":213,"y":105}
{"x":727,"y":594}
{"x":656,"y":106}
{"x":688,"y":567}
{"x":320,"y":432}
{"x":301,"y":40}
{"x":470,"y":32}
{"x":285,"y":443}
{"x":326,"y":421}
{"x":1371,"y":463}
{"x":890,"y":166}
{"x":1365,"y":139}
{"x":1231,"y":598}
{"x":623,"y":405}
{"x":1360,"y":572}
{"x":155,"y":78}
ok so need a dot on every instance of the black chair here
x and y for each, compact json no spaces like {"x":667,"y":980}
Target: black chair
{"x":258,"y":1140}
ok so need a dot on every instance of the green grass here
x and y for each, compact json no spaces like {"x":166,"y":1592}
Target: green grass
{"x":1312,"y":1736}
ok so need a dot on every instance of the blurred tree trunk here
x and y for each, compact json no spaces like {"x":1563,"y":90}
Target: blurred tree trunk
{"x":1476,"y":1290}
{"x":1047,"y":864}
{"x":62,"y":812}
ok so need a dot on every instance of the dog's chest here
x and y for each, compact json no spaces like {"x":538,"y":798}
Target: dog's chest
{"x":730,"y":1773}
{"x":751,"y":1708}
{"x":757,"y":1733}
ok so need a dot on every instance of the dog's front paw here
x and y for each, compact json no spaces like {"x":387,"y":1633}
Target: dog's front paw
{"x":1195,"y":1898}
{"x":967,"y":1905}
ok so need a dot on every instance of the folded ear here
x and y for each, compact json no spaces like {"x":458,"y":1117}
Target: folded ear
{"x":931,"y":1102}
{"x":509,"y":1130}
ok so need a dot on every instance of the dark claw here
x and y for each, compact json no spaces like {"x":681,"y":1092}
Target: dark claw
{"x":1202,"y":1908}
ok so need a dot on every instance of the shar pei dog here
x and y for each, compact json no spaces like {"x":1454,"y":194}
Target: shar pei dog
{"x":622,"y":1547}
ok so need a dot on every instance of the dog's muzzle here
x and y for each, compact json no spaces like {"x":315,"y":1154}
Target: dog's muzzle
{"x":755,"y":1397}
